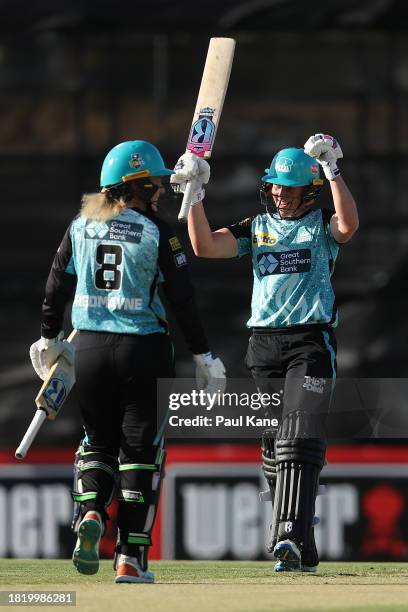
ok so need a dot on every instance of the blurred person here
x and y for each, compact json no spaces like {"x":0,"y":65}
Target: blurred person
{"x":293,"y":246}
{"x":113,"y":257}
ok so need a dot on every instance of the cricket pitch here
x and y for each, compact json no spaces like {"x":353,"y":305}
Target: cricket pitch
{"x":219,"y":586}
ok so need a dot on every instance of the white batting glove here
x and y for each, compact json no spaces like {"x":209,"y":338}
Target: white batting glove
{"x":194,"y":169}
{"x":326,"y":150}
{"x":45,"y":352}
{"x":210,"y":373}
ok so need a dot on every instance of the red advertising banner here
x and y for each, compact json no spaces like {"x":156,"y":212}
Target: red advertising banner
{"x":210,"y":506}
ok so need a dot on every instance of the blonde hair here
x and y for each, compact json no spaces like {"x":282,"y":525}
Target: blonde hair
{"x":96,"y":206}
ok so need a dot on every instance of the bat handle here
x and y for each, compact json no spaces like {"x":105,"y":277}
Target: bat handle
{"x":185,"y":206}
{"x":35,"y":425}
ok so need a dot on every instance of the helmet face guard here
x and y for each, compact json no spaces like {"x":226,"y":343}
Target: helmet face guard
{"x":292,"y":168}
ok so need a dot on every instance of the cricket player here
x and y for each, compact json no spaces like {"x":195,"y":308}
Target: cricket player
{"x":113,"y":257}
{"x":293,"y":247}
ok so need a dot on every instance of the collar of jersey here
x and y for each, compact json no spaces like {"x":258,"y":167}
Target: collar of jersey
{"x":279,"y":218}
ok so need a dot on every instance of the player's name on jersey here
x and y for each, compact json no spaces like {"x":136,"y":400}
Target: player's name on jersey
{"x":284,"y":262}
{"x":114,"y":230}
{"x":112,"y":302}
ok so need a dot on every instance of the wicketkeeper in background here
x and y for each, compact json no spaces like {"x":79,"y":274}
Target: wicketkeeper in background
{"x":293,"y":246}
{"x":113,"y":256}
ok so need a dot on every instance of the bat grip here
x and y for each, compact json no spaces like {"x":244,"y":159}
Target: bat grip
{"x":35,"y":425}
{"x":185,"y":206}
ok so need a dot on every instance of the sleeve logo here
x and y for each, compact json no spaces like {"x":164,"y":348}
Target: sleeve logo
{"x":175,"y":243}
{"x":180,"y":260}
{"x":264,"y":239}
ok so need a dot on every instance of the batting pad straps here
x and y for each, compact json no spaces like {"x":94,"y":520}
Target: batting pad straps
{"x":309,"y":450}
{"x":268,"y":456}
{"x":96,"y":475}
{"x":139,"y":538}
{"x":138,"y":501}
{"x":150,"y":467}
{"x":304,"y":424}
{"x":83,"y":497}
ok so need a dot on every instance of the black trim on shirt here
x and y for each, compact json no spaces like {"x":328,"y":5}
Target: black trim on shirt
{"x":58,"y":290}
{"x":178,"y":289}
{"x":242,"y":229}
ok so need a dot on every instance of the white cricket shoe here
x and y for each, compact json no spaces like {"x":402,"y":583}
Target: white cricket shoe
{"x":129,"y":570}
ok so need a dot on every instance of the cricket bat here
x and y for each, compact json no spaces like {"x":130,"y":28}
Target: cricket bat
{"x":53,"y":393}
{"x":209,"y":105}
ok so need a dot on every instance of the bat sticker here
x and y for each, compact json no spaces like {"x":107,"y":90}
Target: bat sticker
{"x":55,"y":394}
{"x":202,"y":132}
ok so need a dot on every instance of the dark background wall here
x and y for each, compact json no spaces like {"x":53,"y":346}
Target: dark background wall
{"x":75,"y":81}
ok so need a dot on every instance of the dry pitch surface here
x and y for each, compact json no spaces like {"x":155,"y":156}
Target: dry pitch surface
{"x":221,"y":586}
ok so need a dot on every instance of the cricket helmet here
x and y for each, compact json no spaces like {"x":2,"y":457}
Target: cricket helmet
{"x":293,"y":168}
{"x":133,"y":159}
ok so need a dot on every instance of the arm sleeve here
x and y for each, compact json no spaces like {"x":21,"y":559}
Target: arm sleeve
{"x":179,"y":290}
{"x":332,"y":242}
{"x":242,"y":231}
{"x":59,"y":288}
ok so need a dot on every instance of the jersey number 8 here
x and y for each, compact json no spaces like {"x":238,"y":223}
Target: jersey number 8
{"x":110,"y":257}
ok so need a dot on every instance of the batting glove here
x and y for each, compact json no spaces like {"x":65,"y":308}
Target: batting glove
{"x":194,"y":169}
{"x":210,"y":373}
{"x":45,"y":352}
{"x":326,"y":150}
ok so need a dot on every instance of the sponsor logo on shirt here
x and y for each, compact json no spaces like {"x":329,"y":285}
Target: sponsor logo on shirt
{"x":114,"y":230}
{"x":180,"y":260}
{"x":96,"y":229}
{"x":174,"y":243}
{"x":284,"y":262}
{"x":264,"y":239}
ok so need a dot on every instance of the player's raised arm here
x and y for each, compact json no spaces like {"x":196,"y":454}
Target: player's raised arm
{"x":326,"y":150}
{"x":205,"y":242}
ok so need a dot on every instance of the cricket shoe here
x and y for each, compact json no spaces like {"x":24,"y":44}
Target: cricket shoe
{"x":288,"y":555}
{"x":86,"y":553}
{"x":128,"y":570}
{"x":290,"y":558}
{"x":284,"y":566}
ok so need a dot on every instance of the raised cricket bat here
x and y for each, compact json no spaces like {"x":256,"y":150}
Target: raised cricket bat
{"x":208,"y":110}
{"x":53,"y":393}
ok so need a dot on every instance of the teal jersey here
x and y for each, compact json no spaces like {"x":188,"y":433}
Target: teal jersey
{"x":114,"y":269}
{"x":114,"y":292}
{"x":293,"y":261}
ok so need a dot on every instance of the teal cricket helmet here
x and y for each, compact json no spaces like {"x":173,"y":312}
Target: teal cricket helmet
{"x":131,"y":160}
{"x":293,"y":168}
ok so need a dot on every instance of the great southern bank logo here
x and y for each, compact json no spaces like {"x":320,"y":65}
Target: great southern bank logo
{"x":96,"y":229}
{"x":284,"y":164}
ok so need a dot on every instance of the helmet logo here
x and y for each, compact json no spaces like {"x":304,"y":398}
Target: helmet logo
{"x":136,"y":161}
{"x":284,"y":164}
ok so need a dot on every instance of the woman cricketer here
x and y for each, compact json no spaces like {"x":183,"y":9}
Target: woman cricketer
{"x":293,"y":246}
{"x":113,"y":257}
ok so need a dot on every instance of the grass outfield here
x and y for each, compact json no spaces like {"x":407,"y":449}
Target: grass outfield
{"x":220,"y":586}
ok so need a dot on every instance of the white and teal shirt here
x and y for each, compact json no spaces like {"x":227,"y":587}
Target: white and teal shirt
{"x":293,"y":261}
{"x":113,"y":271}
